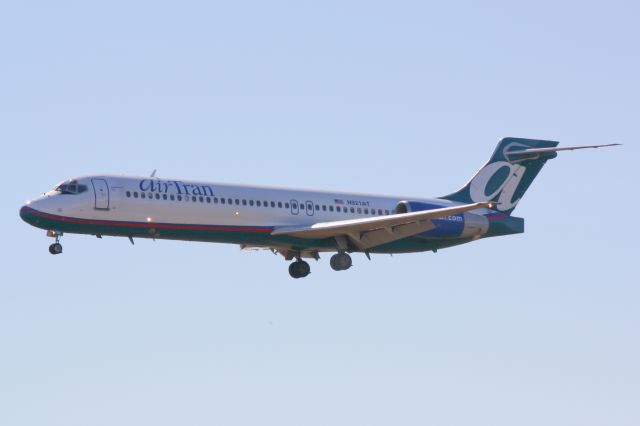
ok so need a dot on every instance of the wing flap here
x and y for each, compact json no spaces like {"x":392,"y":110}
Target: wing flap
{"x":376,"y":237}
{"x":287,"y":252}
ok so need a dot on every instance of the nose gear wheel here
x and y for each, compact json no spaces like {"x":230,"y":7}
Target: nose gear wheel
{"x":55,"y":248}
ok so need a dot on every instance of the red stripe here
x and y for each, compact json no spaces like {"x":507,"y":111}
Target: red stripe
{"x":497,"y":216}
{"x":151,"y":224}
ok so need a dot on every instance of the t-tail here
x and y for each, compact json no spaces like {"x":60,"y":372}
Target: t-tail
{"x":512,"y":168}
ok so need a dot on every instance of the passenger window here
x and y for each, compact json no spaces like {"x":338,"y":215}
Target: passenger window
{"x":317,"y":207}
{"x":237,"y":202}
{"x":215,"y":200}
{"x":359,"y":210}
{"x":330,"y":208}
{"x":164,"y":196}
{"x":273,"y":204}
{"x":244,"y":202}
{"x":128,"y":194}
{"x":157,"y":196}
{"x":366,"y":211}
{"x":143,"y":195}
{"x":386,"y":212}
{"x":251,"y":203}
{"x":338,"y":209}
{"x":208,"y":200}
{"x":258,"y":203}
{"x":230,"y":201}
{"x":266,"y":204}
{"x":193,"y":198}
{"x":380,"y":212}
{"x":201,"y":199}
{"x":352,"y":210}
{"x":135,"y":194}
{"x":286,"y":205}
{"x":324,"y":207}
{"x":279,"y":204}
{"x":172,"y":197}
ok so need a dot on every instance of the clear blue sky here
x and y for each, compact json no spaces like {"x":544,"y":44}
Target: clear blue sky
{"x":396,"y":97}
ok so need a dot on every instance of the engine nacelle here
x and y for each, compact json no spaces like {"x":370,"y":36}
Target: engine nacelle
{"x":463,"y":225}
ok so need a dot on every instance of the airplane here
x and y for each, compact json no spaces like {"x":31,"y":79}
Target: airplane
{"x":297,"y":224}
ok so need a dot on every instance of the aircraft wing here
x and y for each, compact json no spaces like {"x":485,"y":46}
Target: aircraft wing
{"x":374,"y":231}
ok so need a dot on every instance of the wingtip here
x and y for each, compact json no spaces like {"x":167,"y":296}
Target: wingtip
{"x":607,"y":145}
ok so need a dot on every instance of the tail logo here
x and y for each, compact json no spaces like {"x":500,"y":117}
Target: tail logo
{"x":499,"y":180}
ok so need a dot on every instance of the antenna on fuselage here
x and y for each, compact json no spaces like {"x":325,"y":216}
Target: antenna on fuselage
{"x":153,"y":173}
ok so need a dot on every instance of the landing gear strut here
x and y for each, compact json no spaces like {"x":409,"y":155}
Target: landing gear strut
{"x":340,"y":261}
{"x":55,"y":248}
{"x":299,"y":269}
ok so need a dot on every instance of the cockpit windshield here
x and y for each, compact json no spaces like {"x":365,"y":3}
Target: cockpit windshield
{"x":70,"y":187}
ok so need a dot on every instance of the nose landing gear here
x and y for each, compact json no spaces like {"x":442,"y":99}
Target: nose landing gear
{"x":55,"y":248}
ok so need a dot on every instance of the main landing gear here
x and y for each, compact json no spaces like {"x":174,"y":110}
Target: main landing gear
{"x":55,"y":248}
{"x":340,"y":261}
{"x":299,"y":269}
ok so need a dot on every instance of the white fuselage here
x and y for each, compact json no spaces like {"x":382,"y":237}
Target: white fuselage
{"x":140,"y":199}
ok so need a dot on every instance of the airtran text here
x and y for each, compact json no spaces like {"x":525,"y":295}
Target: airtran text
{"x":175,"y":186}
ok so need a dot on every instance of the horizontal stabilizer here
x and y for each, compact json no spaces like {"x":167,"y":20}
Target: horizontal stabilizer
{"x":556,"y":149}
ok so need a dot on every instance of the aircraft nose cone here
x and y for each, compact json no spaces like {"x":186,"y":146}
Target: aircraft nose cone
{"x":24,"y":213}
{"x":32,"y":214}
